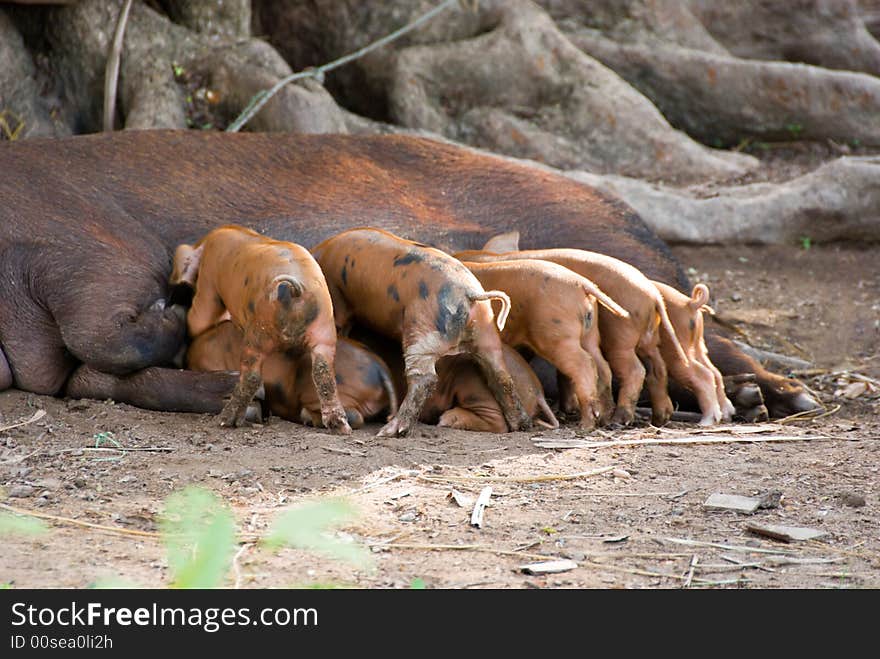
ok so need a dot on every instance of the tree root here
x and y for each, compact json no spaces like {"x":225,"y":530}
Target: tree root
{"x":155,"y":53}
{"x":828,"y":34}
{"x":774,"y":100}
{"x":525,"y":90}
{"x":24,"y":110}
{"x":838,"y":201}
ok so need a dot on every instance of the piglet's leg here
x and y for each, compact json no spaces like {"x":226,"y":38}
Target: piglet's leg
{"x":235,"y":411}
{"x":420,"y":356}
{"x":206,"y":310}
{"x":701,"y":382}
{"x":629,"y":370}
{"x":324,"y":376}
{"x":490,"y":359}
{"x":577,"y":365}
{"x":727,"y":408}
{"x":657,"y":381}
{"x":590,"y":343}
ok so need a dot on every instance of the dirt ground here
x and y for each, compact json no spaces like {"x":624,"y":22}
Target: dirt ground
{"x":640,"y":523}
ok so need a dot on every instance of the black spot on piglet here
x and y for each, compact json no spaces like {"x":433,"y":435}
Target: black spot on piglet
{"x":409,"y":257}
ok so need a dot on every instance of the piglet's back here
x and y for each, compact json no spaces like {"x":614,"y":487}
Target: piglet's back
{"x":380,"y":275}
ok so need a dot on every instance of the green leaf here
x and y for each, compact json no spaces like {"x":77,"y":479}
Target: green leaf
{"x":417,"y":584}
{"x":113,"y":583}
{"x":306,"y":527}
{"x":19,"y":525}
{"x":806,"y":242}
{"x":199,"y":534}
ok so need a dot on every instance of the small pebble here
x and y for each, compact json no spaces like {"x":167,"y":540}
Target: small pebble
{"x":852,"y":499}
{"x":21,"y":491}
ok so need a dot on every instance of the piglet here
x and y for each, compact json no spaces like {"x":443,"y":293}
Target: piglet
{"x":429,"y":302}
{"x":362,"y":379}
{"x":699,"y":375}
{"x":275,"y":293}
{"x":553,"y":313}
{"x":626,"y":341}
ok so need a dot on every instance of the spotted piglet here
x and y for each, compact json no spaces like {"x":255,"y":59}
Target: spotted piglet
{"x":429,"y":302}
{"x":275,"y":293}
{"x":363,"y":380}
{"x":553,"y":313}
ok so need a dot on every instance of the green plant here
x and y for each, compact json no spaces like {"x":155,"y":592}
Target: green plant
{"x":199,"y":535}
{"x":306,"y":527}
{"x":806,"y":242}
{"x":17,"y":525}
{"x":794,"y":129}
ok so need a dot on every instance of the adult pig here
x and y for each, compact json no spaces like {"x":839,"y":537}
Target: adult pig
{"x":88,"y":226}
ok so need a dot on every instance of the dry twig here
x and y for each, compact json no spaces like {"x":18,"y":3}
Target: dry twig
{"x":36,"y":416}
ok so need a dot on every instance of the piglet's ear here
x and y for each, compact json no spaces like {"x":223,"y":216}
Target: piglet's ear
{"x":185,"y":268}
{"x":285,"y":289}
{"x":503,"y":242}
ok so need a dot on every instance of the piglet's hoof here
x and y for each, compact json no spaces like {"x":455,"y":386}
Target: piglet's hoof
{"x":394,"y":428}
{"x":354,"y":418}
{"x":336,"y":423}
{"x":623,"y":416}
{"x":255,"y":413}
{"x":231,"y":417}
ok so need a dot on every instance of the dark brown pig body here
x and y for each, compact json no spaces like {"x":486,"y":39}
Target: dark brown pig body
{"x":363,"y":380}
{"x":84,"y":264}
{"x":425,"y":299}
{"x":553,"y":313}
{"x":275,"y":293}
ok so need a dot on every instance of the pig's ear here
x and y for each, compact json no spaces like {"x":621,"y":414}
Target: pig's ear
{"x":503,"y":242}
{"x":285,"y":288}
{"x":185,"y":268}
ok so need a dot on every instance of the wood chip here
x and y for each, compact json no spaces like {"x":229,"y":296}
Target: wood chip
{"x":735,"y":502}
{"x":463,"y":500}
{"x":797,"y":560}
{"x":345,"y":451}
{"x":615,"y":538}
{"x":36,"y":416}
{"x":548,"y":567}
{"x":853,"y":390}
{"x":785,"y":533}
{"x":480,"y":507}
{"x":702,"y":438}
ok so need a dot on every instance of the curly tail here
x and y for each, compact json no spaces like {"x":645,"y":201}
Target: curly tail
{"x":700,"y":299}
{"x":501,"y":318}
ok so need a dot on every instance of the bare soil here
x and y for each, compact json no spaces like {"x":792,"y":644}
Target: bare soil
{"x":624,"y":528}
